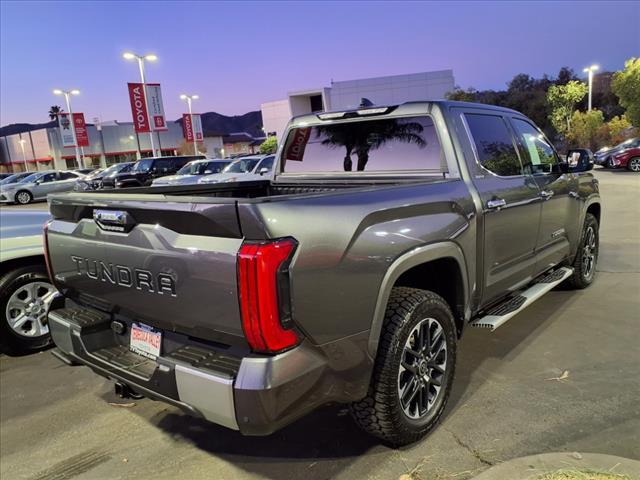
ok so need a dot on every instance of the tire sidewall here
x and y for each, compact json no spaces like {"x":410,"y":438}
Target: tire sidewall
{"x":422,"y":310}
{"x":589,"y":221}
{"x":629,"y":164}
{"x":9,"y":283}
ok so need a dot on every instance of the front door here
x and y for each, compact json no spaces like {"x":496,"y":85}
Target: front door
{"x":510,"y":201}
{"x":558,"y":191}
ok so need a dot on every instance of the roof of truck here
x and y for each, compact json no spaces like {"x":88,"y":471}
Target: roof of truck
{"x":416,"y":107}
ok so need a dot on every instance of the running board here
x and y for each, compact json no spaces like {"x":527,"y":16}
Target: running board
{"x":505,"y":311}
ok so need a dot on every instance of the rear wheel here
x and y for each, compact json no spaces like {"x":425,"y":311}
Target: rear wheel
{"x":414,"y":368}
{"x":24,"y":197}
{"x":634,"y":164}
{"x":25,"y":295}
{"x":584,"y":265}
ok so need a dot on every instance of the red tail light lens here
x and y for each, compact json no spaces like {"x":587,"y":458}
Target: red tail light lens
{"x":264,"y":295}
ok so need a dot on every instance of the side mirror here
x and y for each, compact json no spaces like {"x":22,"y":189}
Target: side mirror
{"x":578,"y":160}
{"x":38,"y":182}
{"x":263,"y":170}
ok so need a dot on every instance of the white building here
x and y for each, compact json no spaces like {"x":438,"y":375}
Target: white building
{"x":347,"y":94}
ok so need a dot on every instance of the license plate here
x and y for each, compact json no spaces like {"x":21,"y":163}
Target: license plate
{"x":145,"y":340}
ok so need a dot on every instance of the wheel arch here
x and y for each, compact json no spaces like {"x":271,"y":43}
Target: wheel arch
{"x":15,"y":263}
{"x":416,"y":269}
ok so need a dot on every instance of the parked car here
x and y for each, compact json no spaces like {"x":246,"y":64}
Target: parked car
{"x":15,"y":177}
{"x":347,"y":277}
{"x":628,"y":157}
{"x":192,"y":172}
{"x":604,"y":156}
{"x":146,"y":170}
{"x":94,"y":180}
{"x":38,"y":185}
{"x":25,"y":289}
{"x":252,"y":167}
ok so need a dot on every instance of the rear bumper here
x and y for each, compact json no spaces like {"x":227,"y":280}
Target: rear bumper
{"x":256,"y":395}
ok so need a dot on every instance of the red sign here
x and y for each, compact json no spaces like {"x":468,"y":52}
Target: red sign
{"x":82,"y":136}
{"x":187,"y":127}
{"x":139,"y":108}
{"x":295,"y":148}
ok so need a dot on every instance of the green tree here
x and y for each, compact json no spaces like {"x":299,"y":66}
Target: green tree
{"x":269,"y":146}
{"x":618,"y":129}
{"x":460,"y":95}
{"x":626,"y":85}
{"x":54,"y":111}
{"x":586,"y":129}
{"x":563,"y":100}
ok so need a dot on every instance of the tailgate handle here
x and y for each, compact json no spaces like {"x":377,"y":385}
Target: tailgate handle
{"x":114,"y":220}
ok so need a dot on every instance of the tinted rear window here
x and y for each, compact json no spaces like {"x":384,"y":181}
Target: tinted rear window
{"x":377,"y":145}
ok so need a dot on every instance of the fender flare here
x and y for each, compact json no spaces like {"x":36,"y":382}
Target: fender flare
{"x":403,"y":263}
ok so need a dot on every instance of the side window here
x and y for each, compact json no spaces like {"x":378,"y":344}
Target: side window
{"x":49,"y":177}
{"x":494,"y":144}
{"x":541,"y":155}
{"x":163,"y":165}
{"x":67,"y":176}
{"x":266,"y":163}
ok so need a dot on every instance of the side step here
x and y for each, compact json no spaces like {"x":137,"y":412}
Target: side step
{"x":505,"y":311}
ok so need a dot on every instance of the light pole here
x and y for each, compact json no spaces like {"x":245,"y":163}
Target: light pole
{"x":67,"y":96}
{"x":24,"y":155}
{"x":189,"y":98}
{"x":590,"y":70}
{"x":141,"y":59}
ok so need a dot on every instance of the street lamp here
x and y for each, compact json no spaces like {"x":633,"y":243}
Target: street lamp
{"x":189,"y":98}
{"x":141,"y":59}
{"x":590,"y":71}
{"x":22,"y":141}
{"x":67,"y":94}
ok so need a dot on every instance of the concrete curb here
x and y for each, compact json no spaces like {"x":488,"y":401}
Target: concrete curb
{"x":528,"y":468}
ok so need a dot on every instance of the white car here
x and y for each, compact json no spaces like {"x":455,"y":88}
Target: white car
{"x":255,"y":167}
{"x":192,"y":172}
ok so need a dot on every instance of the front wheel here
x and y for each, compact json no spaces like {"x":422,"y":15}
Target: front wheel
{"x":414,"y":368}
{"x":23,"y":197}
{"x":25,"y":295}
{"x":634,"y":164}
{"x":584,"y":265}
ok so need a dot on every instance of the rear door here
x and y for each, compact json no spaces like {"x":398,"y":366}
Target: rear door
{"x":510,"y":201}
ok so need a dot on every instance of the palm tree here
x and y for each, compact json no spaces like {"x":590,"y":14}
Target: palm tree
{"x":54,"y":111}
{"x":363,"y":137}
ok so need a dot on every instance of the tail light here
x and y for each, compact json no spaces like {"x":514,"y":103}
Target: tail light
{"x":47,"y":259}
{"x":265,"y":303}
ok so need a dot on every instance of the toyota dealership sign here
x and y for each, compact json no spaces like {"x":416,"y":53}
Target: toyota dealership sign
{"x":146,"y":107}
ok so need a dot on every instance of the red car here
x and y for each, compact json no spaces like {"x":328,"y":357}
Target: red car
{"x":629,"y":158}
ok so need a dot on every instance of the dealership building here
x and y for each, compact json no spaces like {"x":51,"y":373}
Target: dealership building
{"x":110,"y":142}
{"x":345,"y":95}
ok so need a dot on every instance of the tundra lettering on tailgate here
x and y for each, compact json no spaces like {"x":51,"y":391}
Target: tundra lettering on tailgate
{"x":123,"y":276}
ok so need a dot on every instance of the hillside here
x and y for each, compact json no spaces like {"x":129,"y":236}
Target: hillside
{"x":212,"y":122}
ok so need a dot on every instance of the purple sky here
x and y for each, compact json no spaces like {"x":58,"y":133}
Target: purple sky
{"x":238,"y":55}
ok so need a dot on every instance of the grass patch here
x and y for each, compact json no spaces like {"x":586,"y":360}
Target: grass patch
{"x":582,"y":475}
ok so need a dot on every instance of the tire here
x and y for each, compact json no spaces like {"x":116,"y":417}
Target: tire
{"x":23,"y":197}
{"x":382,"y":413}
{"x":17,"y":288}
{"x":634,"y":164}
{"x":584,"y":270}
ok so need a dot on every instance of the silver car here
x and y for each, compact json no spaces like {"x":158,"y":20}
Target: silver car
{"x":38,"y":185}
{"x":192,"y":172}
{"x":250,"y":168}
{"x":25,"y":289}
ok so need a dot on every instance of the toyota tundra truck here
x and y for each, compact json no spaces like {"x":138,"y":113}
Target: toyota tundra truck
{"x":347,"y":277}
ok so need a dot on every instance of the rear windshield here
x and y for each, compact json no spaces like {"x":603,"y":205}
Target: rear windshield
{"x":389,"y":144}
{"x":243,"y":165}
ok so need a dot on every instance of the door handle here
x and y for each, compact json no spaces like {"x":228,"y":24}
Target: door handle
{"x":546,"y":194}
{"x":496,"y":203}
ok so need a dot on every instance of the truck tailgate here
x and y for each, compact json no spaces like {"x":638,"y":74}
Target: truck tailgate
{"x":173,"y":266}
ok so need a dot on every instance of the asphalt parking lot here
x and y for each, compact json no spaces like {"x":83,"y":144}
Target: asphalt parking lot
{"x":562,"y":376}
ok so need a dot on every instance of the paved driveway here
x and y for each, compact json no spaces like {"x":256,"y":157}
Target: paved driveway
{"x":57,"y":423}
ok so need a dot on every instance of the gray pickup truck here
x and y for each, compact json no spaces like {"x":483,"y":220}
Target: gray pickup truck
{"x":347,"y":277}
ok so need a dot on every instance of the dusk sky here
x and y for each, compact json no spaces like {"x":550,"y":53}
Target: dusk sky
{"x":238,"y":55}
